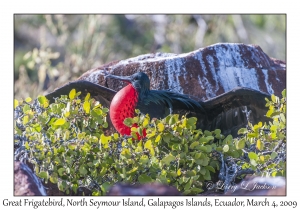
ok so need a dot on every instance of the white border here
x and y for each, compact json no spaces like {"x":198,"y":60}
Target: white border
{"x":154,"y":6}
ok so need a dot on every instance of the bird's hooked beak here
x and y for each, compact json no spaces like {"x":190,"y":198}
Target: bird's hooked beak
{"x":123,"y":78}
{"x":108,"y":75}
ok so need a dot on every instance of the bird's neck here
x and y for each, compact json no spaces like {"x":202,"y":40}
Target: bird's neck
{"x":142,"y":93}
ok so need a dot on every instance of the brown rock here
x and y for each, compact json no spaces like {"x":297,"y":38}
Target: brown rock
{"x":26,"y":182}
{"x":227,"y":79}
{"x":204,"y":73}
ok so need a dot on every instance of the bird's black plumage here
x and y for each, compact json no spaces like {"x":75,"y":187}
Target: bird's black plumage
{"x":157,"y":102}
{"x":225,"y":112}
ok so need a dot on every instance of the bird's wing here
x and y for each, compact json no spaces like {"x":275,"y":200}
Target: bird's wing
{"x":100,"y":93}
{"x":232,"y":110}
{"x":226,"y":112}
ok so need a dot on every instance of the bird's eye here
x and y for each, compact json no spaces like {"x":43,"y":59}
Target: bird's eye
{"x":135,"y":78}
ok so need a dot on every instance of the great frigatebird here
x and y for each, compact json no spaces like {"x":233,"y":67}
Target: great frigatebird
{"x":225,"y":112}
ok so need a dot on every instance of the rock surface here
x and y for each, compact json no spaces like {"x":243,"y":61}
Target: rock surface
{"x":26,"y":182}
{"x":204,"y":73}
{"x":228,"y":79}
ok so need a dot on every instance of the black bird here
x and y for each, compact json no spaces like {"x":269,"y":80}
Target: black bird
{"x":137,"y":95}
{"x":226,"y":111}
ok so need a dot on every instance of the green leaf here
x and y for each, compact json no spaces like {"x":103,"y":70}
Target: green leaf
{"x":203,"y":148}
{"x":210,"y":168}
{"x":16,"y":103}
{"x":172,"y":120}
{"x":72,"y":94}
{"x":192,"y":121}
{"x":167,"y":138}
{"x":253,"y":135}
{"x":273,"y":97}
{"x":87,"y":97}
{"x":203,"y":171}
{"x":37,"y":127}
{"x":54,"y":178}
{"x":158,"y":138}
{"x":191,"y":173}
{"x":208,"y":148}
{"x":283,"y":93}
{"x":253,"y":162}
{"x":86,"y":107}
{"x":242,"y":131}
{"x":240,"y":144}
{"x":270,"y":111}
{"x":96,"y":112}
{"x":144,"y":159}
{"x":228,"y":139}
{"x":105,"y":187}
{"x":166,"y":160}
{"x":25,"y":119}
{"x":44,"y":102}
{"x":194,"y":144}
{"x":82,"y":170}
{"x":116,"y":136}
{"x":103,"y":171}
{"x":74,"y":187}
{"x":148,"y":145}
{"x":105,"y":125}
{"x":207,"y":176}
{"x":160,"y":127}
{"x":132,"y":171}
{"x":144,"y":179}
{"x":61,"y":171}
{"x":43,"y":175}
{"x":203,"y":140}
{"x":26,"y":108}
{"x":104,"y":139}
{"x":217,"y":131}
{"x":259,"y":145}
{"x":207,"y":133}
{"x":188,"y":185}
{"x":209,"y":138}
{"x":128,"y":122}
{"x":27,"y":145}
{"x":226,"y":148}
{"x":140,"y":131}
{"x":178,"y":172}
{"x":273,"y":155}
{"x":145,"y":122}
{"x":282,"y":117}
{"x":60,"y":121}
{"x":62,"y":186}
{"x":28,"y":99}
{"x":252,"y":155}
{"x":196,"y":190}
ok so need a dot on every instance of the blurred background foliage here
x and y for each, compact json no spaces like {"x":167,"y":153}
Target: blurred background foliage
{"x":51,"y":50}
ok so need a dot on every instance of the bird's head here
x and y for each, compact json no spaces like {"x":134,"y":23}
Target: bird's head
{"x":140,"y":81}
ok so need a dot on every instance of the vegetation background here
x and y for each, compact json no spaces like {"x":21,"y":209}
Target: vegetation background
{"x":51,"y":50}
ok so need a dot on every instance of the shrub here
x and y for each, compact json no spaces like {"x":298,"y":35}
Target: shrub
{"x":66,"y":144}
{"x":264,"y":144}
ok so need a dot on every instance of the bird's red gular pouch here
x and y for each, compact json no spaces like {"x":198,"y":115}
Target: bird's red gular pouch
{"x":137,"y":95}
{"x":122,"y":107}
